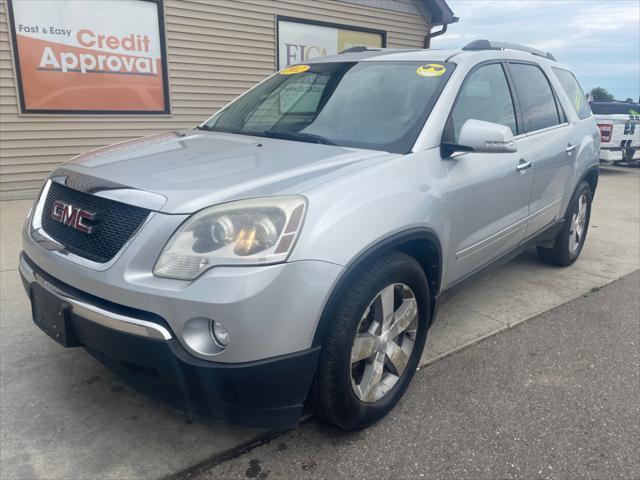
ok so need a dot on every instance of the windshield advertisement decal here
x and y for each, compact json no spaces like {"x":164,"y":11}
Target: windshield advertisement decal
{"x":299,"y":40}
{"x":295,"y":69}
{"x":431,"y":70}
{"x":89,"y":57}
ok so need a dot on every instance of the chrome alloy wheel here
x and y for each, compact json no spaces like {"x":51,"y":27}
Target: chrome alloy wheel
{"x":578,"y":224}
{"x":384,"y":342}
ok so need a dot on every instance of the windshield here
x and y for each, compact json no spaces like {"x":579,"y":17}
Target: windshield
{"x":374,"y":105}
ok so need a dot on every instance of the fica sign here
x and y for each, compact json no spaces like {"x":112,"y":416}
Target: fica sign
{"x":300,"y":40}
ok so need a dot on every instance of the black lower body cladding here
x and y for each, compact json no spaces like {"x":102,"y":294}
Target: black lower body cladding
{"x":268,"y":393}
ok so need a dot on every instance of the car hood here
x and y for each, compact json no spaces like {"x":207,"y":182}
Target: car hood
{"x":195,"y":169}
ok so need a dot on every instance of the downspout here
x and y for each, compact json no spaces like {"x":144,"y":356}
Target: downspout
{"x":430,"y":35}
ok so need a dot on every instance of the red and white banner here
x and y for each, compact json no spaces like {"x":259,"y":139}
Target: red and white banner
{"x":89,"y":56}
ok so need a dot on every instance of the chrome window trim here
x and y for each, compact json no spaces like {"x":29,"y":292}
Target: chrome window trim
{"x":95,"y":314}
{"x":547,"y":129}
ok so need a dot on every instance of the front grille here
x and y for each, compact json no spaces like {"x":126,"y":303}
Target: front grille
{"x":113,"y":226}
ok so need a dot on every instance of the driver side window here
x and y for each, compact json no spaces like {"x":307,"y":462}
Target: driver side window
{"x":485,"y":96}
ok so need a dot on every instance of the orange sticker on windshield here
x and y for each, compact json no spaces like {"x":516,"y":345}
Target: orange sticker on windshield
{"x":431,"y":70}
{"x":294,"y":69}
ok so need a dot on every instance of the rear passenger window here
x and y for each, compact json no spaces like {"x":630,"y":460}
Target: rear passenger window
{"x":537,"y":102}
{"x":572,"y":88}
{"x":484,"y":96}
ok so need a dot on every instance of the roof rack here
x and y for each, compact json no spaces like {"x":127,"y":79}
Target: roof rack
{"x":360,"y":48}
{"x":489,"y":45}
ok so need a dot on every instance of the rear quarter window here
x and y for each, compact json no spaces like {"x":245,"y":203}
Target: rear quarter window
{"x":572,"y":88}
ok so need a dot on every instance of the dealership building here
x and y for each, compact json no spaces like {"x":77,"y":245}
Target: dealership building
{"x":77,"y":75}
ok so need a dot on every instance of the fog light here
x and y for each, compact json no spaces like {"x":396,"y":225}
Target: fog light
{"x":219,"y":333}
{"x":205,"y":336}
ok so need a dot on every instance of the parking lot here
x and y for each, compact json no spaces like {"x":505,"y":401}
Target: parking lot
{"x":66,"y":416}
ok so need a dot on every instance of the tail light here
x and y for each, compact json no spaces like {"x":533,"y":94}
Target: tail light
{"x":606,"y":129}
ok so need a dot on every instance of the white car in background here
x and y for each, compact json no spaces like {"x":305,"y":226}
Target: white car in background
{"x":619,"y":124}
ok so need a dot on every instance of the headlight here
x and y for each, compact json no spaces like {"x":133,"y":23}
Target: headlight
{"x":247,"y":232}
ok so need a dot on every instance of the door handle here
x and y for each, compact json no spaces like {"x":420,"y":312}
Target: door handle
{"x":523,"y":165}
{"x":570,"y":148}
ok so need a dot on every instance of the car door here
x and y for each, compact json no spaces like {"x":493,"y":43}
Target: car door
{"x":546,"y":126}
{"x":585,"y":134}
{"x":489,"y":193}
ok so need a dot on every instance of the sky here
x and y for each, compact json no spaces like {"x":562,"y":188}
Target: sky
{"x":599,"y":40}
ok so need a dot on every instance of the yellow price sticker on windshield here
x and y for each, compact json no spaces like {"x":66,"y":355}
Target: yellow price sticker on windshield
{"x":294,"y":69}
{"x":431,"y":70}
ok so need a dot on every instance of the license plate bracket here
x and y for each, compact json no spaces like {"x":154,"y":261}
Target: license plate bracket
{"x":52,"y":316}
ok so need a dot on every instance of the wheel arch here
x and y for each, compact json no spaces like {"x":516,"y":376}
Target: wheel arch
{"x":591,"y":177}
{"x":421,"y":243}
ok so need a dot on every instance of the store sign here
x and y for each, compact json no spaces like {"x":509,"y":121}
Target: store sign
{"x":97,"y":56}
{"x":299,"y":40}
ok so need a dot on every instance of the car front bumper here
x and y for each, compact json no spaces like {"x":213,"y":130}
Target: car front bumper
{"x":141,"y":348}
{"x":268,"y":310}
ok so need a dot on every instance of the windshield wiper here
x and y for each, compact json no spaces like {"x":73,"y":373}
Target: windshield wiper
{"x":301,"y":136}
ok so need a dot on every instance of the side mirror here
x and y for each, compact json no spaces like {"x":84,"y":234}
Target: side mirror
{"x":479,"y":136}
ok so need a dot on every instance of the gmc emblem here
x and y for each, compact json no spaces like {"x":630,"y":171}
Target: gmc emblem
{"x":72,"y":216}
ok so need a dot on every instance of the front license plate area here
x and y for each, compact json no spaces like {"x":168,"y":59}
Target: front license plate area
{"x":51,"y":315}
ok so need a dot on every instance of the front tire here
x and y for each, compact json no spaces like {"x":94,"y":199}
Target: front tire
{"x":374,"y":345}
{"x":569,"y":242}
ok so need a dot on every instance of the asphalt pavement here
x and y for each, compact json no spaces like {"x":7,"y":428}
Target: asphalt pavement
{"x":556,"y":397}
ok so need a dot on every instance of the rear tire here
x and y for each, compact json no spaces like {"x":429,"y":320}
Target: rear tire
{"x":569,"y":242}
{"x":349,"y":389}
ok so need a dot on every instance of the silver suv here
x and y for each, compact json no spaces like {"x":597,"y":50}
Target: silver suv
{"x":292,"y":250}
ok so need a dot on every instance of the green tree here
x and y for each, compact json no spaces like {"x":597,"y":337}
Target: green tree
{"x":601,"y":94}
{"x":629,"y":100}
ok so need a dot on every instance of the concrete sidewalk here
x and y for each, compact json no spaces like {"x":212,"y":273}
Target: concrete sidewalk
{"x":65,"y":416}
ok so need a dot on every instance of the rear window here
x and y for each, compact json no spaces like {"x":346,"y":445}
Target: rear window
{"x":572,"y":88}
{"x":615,"y":108}
{"x":537,"y":101}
